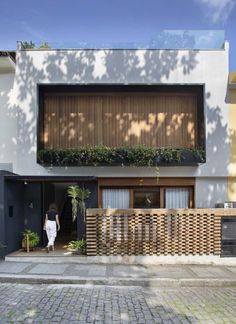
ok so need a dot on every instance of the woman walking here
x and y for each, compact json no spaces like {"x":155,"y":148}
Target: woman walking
{"x":51,"y":225}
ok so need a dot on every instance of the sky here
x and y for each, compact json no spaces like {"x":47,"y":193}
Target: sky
{"x":76,"y":21}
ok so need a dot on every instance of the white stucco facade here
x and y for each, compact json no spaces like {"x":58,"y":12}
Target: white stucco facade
{"x":19,"y":106}
{"x":8,"y":122}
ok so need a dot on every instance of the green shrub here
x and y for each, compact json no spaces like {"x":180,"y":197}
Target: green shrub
{"x":77,"y":246}
{"x":2,"y":246}
{"x":137,"y":155}
{"x":33,"y":238}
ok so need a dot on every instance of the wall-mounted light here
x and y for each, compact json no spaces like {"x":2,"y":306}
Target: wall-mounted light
{"x":31,"y":205}
{"x":25,"y":182}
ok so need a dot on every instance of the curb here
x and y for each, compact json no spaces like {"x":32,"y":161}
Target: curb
{"x":142,"y":282}
{"x":204,"y":260}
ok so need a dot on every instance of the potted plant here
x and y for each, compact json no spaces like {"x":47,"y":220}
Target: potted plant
{"x":2,"y":248}
{"x":77,"y":247}
{"x":78,"y":196}
{"x":33,"y":239}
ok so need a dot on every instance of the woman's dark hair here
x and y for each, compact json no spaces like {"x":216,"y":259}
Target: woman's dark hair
{"x":52,"y":206}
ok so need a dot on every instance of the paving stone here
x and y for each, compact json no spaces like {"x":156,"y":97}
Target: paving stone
{"x":54,"y":269}
{"x":151,"y":271}
{"x":87,"y":304}
{"x":174,"y":275}
{"x":88,"y":270}
{"x":211,"y":272}
{"x":130,"y":271}
{"x":13,"y":267}
{"x":232,"y":269}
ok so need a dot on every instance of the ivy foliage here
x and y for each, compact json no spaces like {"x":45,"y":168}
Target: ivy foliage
{"x":125,"y":156}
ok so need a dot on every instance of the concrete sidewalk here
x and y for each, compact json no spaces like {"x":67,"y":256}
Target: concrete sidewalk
{"x":119,"y":274}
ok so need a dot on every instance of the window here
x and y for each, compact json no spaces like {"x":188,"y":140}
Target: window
{"x":146,"y":198}
{"x":146,"y":193}
{"x":116,"y":198}
{"x":176,"y":198}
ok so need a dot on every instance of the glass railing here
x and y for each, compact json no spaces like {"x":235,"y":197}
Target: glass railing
{"x":165,"y":39}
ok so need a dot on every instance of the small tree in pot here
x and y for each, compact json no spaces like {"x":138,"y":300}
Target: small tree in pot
{"x":32,"y":237}
{"x":78,"y":196}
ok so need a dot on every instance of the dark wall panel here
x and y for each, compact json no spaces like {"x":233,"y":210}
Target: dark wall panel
{"x":48,"y":196}
{"x":32,"y":207}
{"x":91,"y":202}
{"x":14,"y":215}
{"x":22,"y":211}
{"x":2,"y":218}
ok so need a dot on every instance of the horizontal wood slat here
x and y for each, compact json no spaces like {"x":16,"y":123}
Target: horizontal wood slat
{"x":155,"y":231}
{"x":145,"y":181}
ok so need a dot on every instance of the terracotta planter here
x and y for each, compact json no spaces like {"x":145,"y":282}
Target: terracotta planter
{"x":24,"y":246}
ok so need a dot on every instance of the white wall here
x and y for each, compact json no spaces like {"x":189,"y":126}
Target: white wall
{"x":124,"y":66}
{"x":118,"y":66}
{"x":8,"y":122}
{"x":209,"y":191}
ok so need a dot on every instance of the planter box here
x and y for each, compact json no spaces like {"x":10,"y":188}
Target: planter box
{"x":188,"y":158}
{"x":143,"y":157}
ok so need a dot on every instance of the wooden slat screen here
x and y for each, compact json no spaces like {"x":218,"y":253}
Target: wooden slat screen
{"x":163,"y":120}
{"x":154,"y":231}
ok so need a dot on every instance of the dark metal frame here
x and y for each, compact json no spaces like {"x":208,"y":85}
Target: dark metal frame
{"x":199,"y":89}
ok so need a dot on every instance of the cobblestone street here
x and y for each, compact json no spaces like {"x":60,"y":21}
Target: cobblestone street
{"x":85,"y":304}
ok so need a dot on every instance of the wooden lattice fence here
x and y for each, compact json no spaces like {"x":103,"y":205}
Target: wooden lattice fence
{"x":154,"y":231}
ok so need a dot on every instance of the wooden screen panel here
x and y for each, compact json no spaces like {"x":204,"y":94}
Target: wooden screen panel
{"x":154,"y":231}
{"x":71,"y":121}
{"x":163,"y":120}
{"x":51,"y":122}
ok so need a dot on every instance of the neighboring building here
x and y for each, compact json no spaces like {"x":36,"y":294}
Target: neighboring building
{"x":232,"y":137}
{"x":8,"y":120}
{"x":8,"y":128}
{"x":68,"y":99}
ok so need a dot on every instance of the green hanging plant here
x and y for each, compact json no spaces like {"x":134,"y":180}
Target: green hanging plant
{"x":78,"y":196}
{"x":72,"y":192}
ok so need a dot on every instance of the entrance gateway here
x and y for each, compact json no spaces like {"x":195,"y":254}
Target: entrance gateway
{"x":25,"y":200}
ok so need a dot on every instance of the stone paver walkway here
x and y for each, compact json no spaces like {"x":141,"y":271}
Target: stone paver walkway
{"x":83,"y":304}
{"x":118,"y":270}
{"x":117,"y":274}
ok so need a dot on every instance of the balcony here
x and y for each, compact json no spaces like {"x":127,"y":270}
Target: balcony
{"x":143,"y":125}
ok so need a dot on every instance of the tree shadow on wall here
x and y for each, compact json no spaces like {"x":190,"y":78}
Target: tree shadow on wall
{"x":117,"y":67}
{"x":218,"y":142}
{"x":83,"y":66}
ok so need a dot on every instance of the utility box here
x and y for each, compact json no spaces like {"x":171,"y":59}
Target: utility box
{"x":228,"y":236}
